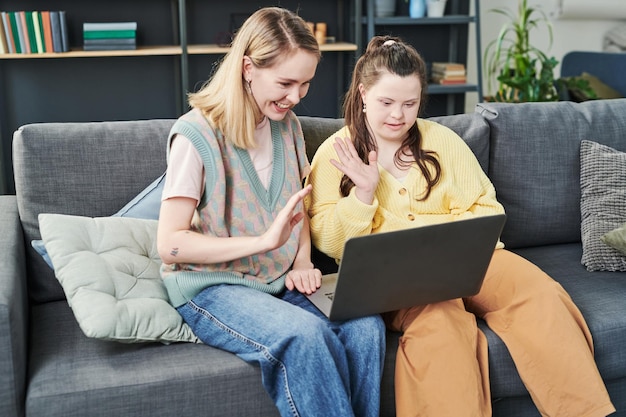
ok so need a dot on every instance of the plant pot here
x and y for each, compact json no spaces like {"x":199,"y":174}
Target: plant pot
{"x":435,"y":8}
{"x":384,"y":8}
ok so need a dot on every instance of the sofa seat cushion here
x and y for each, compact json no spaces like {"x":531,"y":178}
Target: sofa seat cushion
{"x":599,"y":295}
{"x":73,"y":375}
{"x":109,"y":270}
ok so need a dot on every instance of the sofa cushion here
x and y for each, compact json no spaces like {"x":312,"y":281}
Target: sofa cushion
{"x":73,"y":375}
{"x":535,"y":163}
{"x":602,"y":204}
{"x":84,"y":169}
{"x":316,"y":130}
{"x":145,"y":205}
{"x":600,"y":297}
{"x":474,"y":130}
{"x":471,"y":127}
{"x":109,"y":270}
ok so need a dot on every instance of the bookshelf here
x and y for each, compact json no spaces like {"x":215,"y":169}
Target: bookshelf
{"x":176,"y":50}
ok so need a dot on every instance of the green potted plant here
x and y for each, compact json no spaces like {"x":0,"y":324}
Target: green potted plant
{"x":521,"y":71}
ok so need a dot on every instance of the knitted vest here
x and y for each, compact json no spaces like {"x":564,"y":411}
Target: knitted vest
{"x":235,"y":203}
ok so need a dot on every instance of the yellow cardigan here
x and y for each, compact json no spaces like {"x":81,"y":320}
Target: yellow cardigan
{"x":463,"y":191}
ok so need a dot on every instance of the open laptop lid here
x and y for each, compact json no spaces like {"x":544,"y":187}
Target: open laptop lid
{"x":423,"y":265}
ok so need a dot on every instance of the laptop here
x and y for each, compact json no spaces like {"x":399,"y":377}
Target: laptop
{"x":388,"y":271}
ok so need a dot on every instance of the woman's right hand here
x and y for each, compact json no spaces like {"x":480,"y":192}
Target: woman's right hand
{"x":178,"y":244}
{"x":364,"y":176}
{"x":285,"y":221}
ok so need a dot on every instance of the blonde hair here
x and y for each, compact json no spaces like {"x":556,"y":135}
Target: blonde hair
{"x":271,"y":33}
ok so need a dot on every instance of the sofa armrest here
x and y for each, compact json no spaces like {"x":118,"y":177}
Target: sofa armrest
{"x":13,"y":310}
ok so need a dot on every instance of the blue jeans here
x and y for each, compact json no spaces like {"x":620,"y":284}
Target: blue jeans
{"x":310,"y":366}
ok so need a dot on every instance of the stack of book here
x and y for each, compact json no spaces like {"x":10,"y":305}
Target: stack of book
{"x":448,"y":73}
{"x":109,"y":36}
{"x":33,"y":32}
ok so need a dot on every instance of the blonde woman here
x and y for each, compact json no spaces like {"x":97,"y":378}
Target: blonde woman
{"x":234,"y":238}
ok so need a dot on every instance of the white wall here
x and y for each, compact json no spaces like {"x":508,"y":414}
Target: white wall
{"x":568,"y":35}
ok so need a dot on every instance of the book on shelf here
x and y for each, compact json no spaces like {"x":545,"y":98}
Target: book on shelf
{"x":36,"y":39}
{"x":110,"y":47}
{"x":55,"y":28}
{"x":19,"y":36}
{"x":4,"y":46}
{"x":65,"y":44}
{"x":449,"y":77}
{"x":449,"y":81}
{"x":447,"y":66}
{"x":114,"y":41}
{"x":109,"y":30}
{"x":30,"y":31}
{"x":123,"y":26}
{"x":109,"y":36}
{"x":33,"y":32}
{"x":23,"y":31}
{"x":6,"y":24}
{"x":109,"y":44}
{"x":47,"y":30}
{"x":449,"y":73}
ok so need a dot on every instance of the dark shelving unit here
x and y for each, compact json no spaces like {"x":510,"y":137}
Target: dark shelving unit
{"x":177,"y":49}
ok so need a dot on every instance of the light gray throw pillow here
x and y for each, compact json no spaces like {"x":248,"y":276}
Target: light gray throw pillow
{"x":109,"y":270}
{"x":602,"y":204}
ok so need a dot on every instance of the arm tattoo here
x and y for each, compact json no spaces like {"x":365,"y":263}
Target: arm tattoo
{"x":174,"y":251}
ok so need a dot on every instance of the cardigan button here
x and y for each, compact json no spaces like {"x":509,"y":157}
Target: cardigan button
{"x":402,"y":191}
{"x":411,"y":217}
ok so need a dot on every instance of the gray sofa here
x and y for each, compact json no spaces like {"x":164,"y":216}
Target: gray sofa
{"x":48,"y":367}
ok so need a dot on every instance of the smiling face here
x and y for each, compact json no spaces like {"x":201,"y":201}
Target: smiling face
{"x":278,"y":88}
{"x":392,"y":105}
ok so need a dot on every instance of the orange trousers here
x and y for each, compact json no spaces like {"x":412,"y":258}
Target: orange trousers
{"x":442,"y":367}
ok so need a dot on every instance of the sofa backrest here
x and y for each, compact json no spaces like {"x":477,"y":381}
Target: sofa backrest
{"x":534,"y":163}
{"x":94,"y":169}
{"x":471,"y":127}
{"x":85,"y":169}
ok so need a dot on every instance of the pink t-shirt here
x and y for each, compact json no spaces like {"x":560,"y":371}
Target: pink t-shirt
{"x":188,"y":179}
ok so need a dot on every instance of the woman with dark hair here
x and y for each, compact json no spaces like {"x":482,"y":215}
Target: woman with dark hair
{"x":387,"y":170}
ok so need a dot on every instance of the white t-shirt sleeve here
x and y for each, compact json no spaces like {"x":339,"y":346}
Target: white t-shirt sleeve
{"x":185,"y":171}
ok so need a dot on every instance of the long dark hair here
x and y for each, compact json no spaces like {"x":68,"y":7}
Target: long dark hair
{"x":388,"y":54}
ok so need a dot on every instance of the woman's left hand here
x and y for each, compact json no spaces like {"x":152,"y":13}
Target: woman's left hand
{"x":305,"y":280}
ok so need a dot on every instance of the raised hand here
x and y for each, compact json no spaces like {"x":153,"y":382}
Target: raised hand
{"x":364,"y":176}
{"x":285,"y":221}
